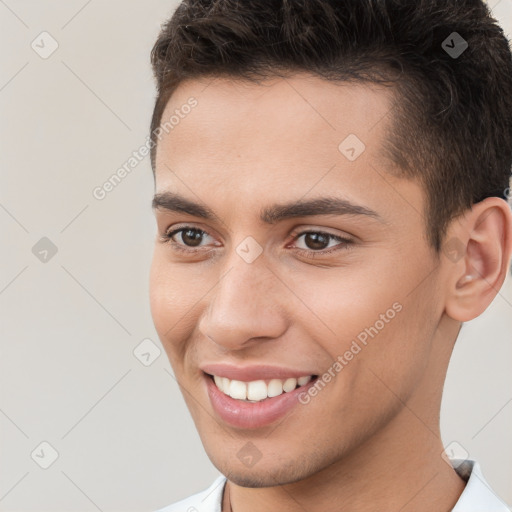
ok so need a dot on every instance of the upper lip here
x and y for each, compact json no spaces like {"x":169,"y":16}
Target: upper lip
{"x":254,"y":372}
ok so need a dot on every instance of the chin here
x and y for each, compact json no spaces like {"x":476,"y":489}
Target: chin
{"x":261,"y":479}
{"x":268,"y":474}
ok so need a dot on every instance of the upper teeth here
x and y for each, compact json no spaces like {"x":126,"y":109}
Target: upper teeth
{"x":258,"y":390}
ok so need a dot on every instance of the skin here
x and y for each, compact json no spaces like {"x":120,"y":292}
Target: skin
{"x":372,"y":434}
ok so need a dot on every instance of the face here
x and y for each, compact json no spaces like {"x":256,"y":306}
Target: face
{"x":265,"y":273}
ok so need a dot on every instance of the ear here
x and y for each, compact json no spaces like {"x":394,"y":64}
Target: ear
{"x":476,"y":254}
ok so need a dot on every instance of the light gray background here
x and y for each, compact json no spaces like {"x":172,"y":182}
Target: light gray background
{"x":69,"y":326}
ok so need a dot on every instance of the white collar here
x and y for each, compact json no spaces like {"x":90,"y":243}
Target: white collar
{"x":477,"y":496}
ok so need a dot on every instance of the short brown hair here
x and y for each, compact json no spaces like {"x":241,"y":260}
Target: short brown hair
{"x":452,"y":114}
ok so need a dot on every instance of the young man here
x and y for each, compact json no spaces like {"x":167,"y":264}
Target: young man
{"x":331,"y":185}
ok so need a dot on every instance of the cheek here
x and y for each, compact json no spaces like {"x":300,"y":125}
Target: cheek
{"x":370,"y":317}
{"x":342,"y":304}
{"x":169,"y":298}
{"x":175,"y":293}
{"x":397,"y":345}
{"x":158,"y":292}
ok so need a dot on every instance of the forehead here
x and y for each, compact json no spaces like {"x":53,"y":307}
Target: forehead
{"x":291,"y":136}
{"x":277,"y":111}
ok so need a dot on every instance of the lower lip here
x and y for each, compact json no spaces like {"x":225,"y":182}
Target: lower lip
{"x":253,"y":415}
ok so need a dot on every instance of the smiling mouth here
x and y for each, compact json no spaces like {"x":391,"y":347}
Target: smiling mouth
{"x":259,"y":390}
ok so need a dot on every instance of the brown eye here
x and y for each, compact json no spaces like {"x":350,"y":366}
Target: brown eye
{"x":316,"y":241}
{"x":191,"y":237}
{"x":316,"y":244}
{"x":188,"y":238}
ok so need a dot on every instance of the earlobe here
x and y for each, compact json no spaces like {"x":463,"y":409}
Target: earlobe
{"x":483,"y":238}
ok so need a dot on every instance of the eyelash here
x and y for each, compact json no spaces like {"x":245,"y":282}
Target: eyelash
{"x":346,"y":242}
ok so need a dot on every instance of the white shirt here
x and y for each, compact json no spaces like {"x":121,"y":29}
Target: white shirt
{"x":476,"y":497}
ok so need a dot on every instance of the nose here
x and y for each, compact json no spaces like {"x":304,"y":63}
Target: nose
{"x":245,"y":306}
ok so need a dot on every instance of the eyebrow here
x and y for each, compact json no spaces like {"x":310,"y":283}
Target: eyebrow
{"x":271,"y":214}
